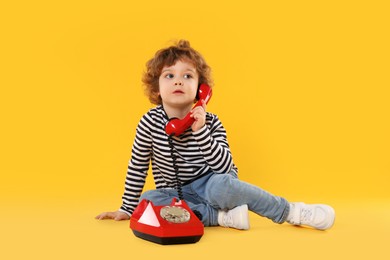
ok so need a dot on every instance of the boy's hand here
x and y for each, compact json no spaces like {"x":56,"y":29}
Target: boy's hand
{"x":199,"y":114}
{"x":116,"y":215}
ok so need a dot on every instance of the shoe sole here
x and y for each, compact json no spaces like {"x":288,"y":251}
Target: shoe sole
{"x":330,"y":212}
{"x":330,"y":220}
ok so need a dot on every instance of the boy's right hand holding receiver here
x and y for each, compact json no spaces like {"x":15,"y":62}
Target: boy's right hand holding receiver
{"x":115,"y":215}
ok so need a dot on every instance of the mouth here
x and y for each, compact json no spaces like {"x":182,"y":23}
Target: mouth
{"x":178,"y":91}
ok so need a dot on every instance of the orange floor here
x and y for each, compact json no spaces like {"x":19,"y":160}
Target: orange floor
{"x":69,"y":231}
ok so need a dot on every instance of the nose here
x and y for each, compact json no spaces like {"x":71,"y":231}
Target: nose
{"x":178,"y":83}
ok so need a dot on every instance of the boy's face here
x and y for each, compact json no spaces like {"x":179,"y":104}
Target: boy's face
{"x":178,"y":85}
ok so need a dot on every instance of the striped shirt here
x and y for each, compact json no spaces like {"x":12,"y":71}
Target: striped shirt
{"x":197,"y":153}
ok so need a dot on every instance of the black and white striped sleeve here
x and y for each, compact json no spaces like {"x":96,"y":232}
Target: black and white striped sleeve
{"x":213,"y":144}
{"x":138,"y":166}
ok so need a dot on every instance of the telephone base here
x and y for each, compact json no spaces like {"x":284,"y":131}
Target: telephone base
{"x":166,"y":225}
{"x":167,"y":240}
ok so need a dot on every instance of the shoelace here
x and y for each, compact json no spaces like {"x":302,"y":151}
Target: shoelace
{"x":306,"y":215}
{"x":228,"y":220}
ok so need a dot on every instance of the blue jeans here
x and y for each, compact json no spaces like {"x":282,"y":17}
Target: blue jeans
{"x":214,"y":192}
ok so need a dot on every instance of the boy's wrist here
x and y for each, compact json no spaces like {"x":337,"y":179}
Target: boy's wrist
{"x":200,"y":131}
{"x":124,"y":211}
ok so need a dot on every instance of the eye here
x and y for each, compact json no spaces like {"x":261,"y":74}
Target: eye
{"x":188,"y":76}
{"x":169,"y":76}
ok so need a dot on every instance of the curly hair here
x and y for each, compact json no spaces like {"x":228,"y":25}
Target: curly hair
{"x":168,"y":57}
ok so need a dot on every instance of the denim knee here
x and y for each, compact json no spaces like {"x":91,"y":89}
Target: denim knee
{"x":221,"y":191}
{"x":148,"y":195}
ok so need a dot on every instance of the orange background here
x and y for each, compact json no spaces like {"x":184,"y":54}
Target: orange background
{"x":302,"y":88}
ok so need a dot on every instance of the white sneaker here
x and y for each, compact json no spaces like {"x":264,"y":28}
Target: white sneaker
{"x":235,"y":218}
{"x":318,"y":216}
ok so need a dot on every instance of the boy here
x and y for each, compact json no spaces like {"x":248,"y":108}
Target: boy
{"x":201,"y":155}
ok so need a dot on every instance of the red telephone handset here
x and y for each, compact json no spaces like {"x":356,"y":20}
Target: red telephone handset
{"x":177,"y":126}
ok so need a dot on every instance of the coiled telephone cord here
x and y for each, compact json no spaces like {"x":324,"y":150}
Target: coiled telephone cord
{"x":176,"y":168}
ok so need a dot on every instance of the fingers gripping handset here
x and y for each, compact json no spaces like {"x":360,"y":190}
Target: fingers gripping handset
{"x":177,"y":126}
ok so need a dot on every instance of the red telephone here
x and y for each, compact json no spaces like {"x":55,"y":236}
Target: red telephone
{"x":166,"y":225}
{"x":177,"y":126}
